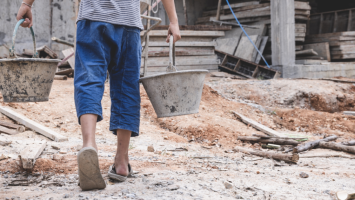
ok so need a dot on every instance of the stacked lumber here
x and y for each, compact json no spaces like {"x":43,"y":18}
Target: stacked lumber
{"x":194,"y":51}
{"x":252,"y":13}
{"x":342,"y":44}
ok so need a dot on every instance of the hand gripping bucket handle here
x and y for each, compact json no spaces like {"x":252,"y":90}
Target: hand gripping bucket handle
{"x":172,"y":55}
{"x":12,"y":50}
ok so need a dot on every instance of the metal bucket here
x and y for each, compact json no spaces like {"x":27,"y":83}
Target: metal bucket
{"x":176,"y":92}
{"x":26,"y":79}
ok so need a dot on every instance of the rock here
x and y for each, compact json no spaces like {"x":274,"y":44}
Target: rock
{"x":166,"y":138}
{"x":55,"y":147}
{"x":3,"y":157}
{"x":239,"y":197}
{"x":6,"y":176}
{"x":62,"y":152}
{"x":130,"y":195}
{"x":150,"y":149}
{"x":173,"y":187}
{"x":66,"y":196}
{"x":304,"y":175}
{"x":228,"y":185}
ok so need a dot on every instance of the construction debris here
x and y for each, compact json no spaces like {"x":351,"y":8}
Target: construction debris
{"x":350,"y":143}
{"x":268,"y":141}
{"x":60,"y":77}
{"x":8,"y":131}
{"x":18,"y":128}
{"x":267,"y":154}
{"x":33,"y":125}
{"x":337,"y":147}
{"x":31,"y":153}
{"x":257,"y":126}
{"x":313,"y":144}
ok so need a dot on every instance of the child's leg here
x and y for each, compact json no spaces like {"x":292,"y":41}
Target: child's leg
{"x":91,"y":58}
{"x":121,"y":159}
{"x":88,"y":129}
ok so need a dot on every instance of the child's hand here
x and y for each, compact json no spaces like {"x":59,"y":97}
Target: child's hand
{"x":25,"y":12}
{"x":174,"y":30}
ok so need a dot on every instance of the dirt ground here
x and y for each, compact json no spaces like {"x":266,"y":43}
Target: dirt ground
{"x":193,"y":156}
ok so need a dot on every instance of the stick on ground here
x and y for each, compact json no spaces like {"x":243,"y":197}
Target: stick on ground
{"x":337,"y":147}
{"x":350,"y":143}
{"x":269,"y":141}
{"x":33,"y":125}
{"x":276,"y":156}
{"x":313,"y":144}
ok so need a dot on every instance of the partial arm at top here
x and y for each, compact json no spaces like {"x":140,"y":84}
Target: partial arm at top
{"x":25,"y":12}
{"x":174,"y":30}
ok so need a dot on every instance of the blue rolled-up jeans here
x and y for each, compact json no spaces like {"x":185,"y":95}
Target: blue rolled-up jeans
{"x":102,"y":47}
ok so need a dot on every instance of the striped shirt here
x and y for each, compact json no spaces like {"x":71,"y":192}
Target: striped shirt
{"x":119,"y":12}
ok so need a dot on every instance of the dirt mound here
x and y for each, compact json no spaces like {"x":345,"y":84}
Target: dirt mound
{"x":316,"y":122}
{"x":315,"y":95}
{"x":214,"y":124}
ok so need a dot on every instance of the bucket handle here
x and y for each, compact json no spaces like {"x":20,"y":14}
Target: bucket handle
{"x":12,"y":50}
{"x":172,"y":65}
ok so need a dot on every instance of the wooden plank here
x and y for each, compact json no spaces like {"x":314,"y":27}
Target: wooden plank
{"x":8,"y":131}
{"x":184,"y":67}
{"x":306,"y":52}
{"x":245,"y":48}
{"x":182,"y":44}
{"x":219,"y":9}
{"x":185,"y":11}
{"x":350,"y":20}
{"x":242,"y":15}
{"x":19,"y":128}
{"x":255,"y":52}
{"x":351,"y":113}
{"x":321,"y":48}
{"x":302,"y":5}
{"x":324,"y":35}
{"x":68,"y":52}
{"x":181,"y":51}
{"x":187,"y":33}
{"x":60,"y":77}
{"x":261,"y":48}
{"x":258,"y":126}
{"x":343,"y":56}
{"x":33,"y":125}
{"x":183,"y":60}
{"x":196,"y":27}
{"x":238,"y":5}
{"x":227,"y":45}
{"x":30,"y":154}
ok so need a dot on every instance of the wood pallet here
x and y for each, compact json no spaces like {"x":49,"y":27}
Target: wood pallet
{"x":331,"y":22}
{"x":235,"y":65}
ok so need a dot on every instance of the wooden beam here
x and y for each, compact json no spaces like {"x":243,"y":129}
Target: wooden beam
{"x":185,"y":12}
{"x":337,"y":147}
{"x":187,"y":33}
{"x":257,"y":125}
{"x":8,"y":131}
{"x":19,"y":128}
{"x":218,"y":10}
{"x":291,"y":158}
{"x":30,"y":154}
{"x":33,"y":125}
{"x":274,"y":140}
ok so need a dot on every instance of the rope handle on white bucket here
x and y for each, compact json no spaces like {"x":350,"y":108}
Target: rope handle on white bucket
{"x":172,"y":65}
{"x":12,"y":50}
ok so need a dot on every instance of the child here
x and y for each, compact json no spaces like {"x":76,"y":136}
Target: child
{"x":108,"y":39}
